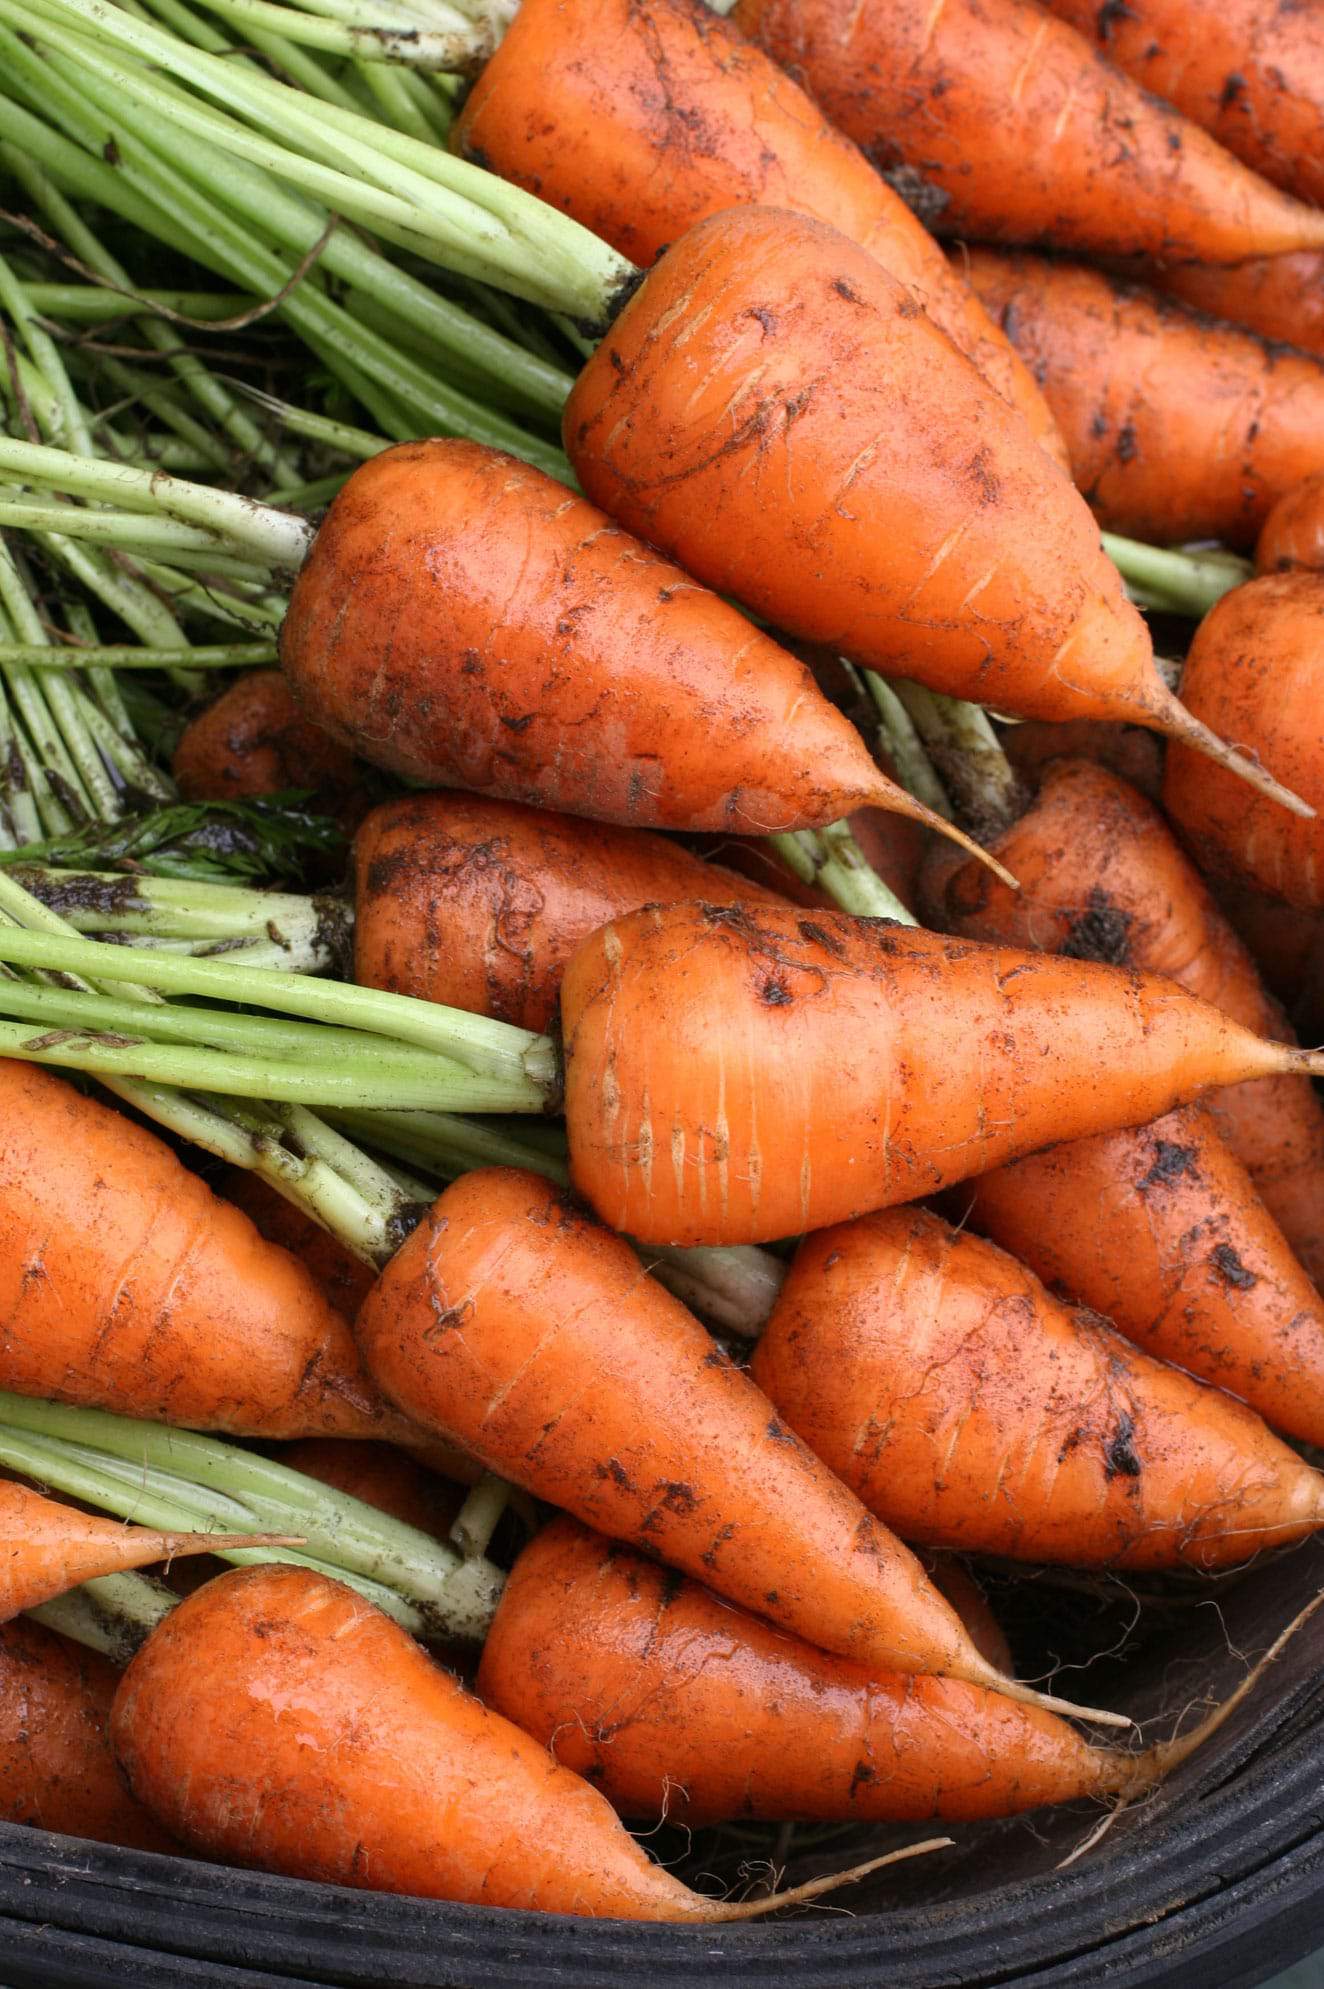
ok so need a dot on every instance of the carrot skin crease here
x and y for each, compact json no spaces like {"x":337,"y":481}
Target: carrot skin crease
{"x":1071,"y":153}
{"x":816,"y":1066}
{"x":673,"y":1702}
{"x":640,"y":120}
{"x":970,"y":1409}
{"x":1293,"y":532}
{"x":1280,"y":297}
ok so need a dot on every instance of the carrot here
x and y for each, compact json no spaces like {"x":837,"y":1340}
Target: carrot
{"x":47,"y":1548}
{"x":1287,"y":947}
{"x":641,"y":119}
{"x":381,"y":1476}
{"x":952,"y":1578}
{"x":1133,"y":754}
{"x":56,"y":1768}
{"x":771,"y":409}
{"x":479,"y":903}
{"x":1256,"y":663}
{"x":126,"y":1284}
{"x":1177,"y":429}
{"x":276,"y":1719}
{"x":510,"y":1324}
{"x":254,"y":740}
{"x":1031,"y":134}
{"x":1104,"y":879}
{"x":1252,"y":74}
{"x":343,"y":1278}
{"x":969,"y":1408}
{"x":812,"y":1067}
{"x":1281,"y":297}
{"x":674,"y":1703}
{"x":1293,"y":532}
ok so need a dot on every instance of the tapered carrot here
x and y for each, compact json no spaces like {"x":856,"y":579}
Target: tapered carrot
{"x":1280,"y":297}
{"x":771,"y":409}
{"x":641,"y":119}
{"x":1031,"y":133}
{"x":47,"y":1548}
{"x":1177,"y":429}
{"x":56,"y":1768}
{"x":971,"y":1409}
{"x":673,"y":1702}
{"x":1293,"y":532}
{"x":1251,"y":73}
{"x":276,"y":1719}
{"x":952,"y":1577}
{"x":479,"y":903}
{"x":1104,"y":879}
{"x":254,"y":740}
{"x":512,"y":1325}
{"x":342,"y":1278}
{"x":1256,"y":664}
{"x":813,"y":1066}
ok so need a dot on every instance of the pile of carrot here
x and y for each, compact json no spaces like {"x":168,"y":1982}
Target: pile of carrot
{"x":811,"y":1120}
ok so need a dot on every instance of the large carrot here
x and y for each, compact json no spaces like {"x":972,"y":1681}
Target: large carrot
{"x":1252,"y":73}
{"x":512,"y":1325}
{"x":1293,"y":533}
{"x":969,"y":1408}
{"x":276,"y":1719}
{"x":1104,"y":879}
{"x":641,"y":119}
{"x":1160,"y":1229}
{"x":673,"y":1702}
{"x":771,"y":408}
{"x":1281,"y":297}
{"x":1177,"y":429}
{"x":1032,"y":135}
{"x":813,"y":1066}
{"x":1256,"y":664}
{"x":479,"y":903}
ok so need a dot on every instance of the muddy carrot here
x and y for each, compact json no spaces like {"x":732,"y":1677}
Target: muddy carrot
{"x":254,"y":740}
{"x":1293,"y":532}
{"x":1134,"y":755}
{"x":1281,"y":297}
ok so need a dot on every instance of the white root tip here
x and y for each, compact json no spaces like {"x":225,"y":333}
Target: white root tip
{"x":800,"y":1895}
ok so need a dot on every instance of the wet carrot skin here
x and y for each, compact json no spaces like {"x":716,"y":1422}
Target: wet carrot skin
{"x":1293,"y":533}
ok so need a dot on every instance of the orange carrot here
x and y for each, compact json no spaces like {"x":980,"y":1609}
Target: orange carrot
{"x":47,"y":1548}
{"x":1104,"y":879}
{"x":1032,"y":135}
{"x":56,"y":1768}
{"x":771,"y":409}
{"x":478,"y":904}
{"x":641,"y":117}
{"x":342,"y":1278}
{"x":969,"y":1408}
{"x":1257,"y":665}
{"x":254,"y":740}
{"x":276,"y":1719}
{"x":1281,"y":297}
{"x":510,"y":1324}
{"x":1133,"y":754}
{"x":674,"y":1703}
{"x":1252,"y":73}
{"x":1293,"y":532}
{"x":381,"y":1476}
{"x":812,"y":1067}
{"x":1287,"y":947}
{"x":952,"y":1578}
{"x":1177,"y":428}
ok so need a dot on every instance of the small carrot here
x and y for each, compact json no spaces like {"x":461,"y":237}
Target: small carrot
{"x":512,"y":1325}
{"x":342,"y":1277}
{"x":1134,"y":755}
{"x":814,"y":1066}
{"x":969,"y":1408}
{"x":674,"y":1703}
{"x":1281,"y":297}
{"x":56,"y":1768}
{"x":1177,"y":428}
{"x":47,"y":1548}
{"x":1104,"y":879}
{"x":1030,"y":133}
{"x":276,"y":1719}
{"x":254,"y":740}
{"x":952,"y":1577}
{"x":1293,"y":532}
{"x":773,"y":411}
{"x":641,"y":119}
{"x":479,"y":903}
{"x":1256,"y":664}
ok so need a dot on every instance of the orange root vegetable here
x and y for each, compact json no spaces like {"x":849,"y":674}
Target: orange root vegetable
{"x":1257,"y":665}
{"x":1251,"y":73}
{"x":1177,"y":428}
{"x":56,"y":1768}
{"x":641,"y":119}
{"x":1293,"y":532}
{"x":126,"y":1284}
{"x":47,"y":1548}
{"x":952,"y":1578}
{"x":813,"y":1067}
{"x":672,"y":1702}
{"x":276,"y":1719}
{"x":343,"y":1278}
{"x":1029,"y":133}
{"x":1281,"y":297}
{"x":510,"y":1324}
{"x":381,"y":1476}
{"x":254,"y":740}
{"x":1287,"y":947}
{"x":465,"y":620}
{"x":1134,"y":755}
{"x":771,"y":408}
{"x":1161,"y":1230}
{"x":971,"y":1409}
{"x":1103,"y":878}
{"x":478,"y":904}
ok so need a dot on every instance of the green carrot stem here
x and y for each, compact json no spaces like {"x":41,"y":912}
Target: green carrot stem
{"x":137,"y":656}
{"x":85,"y":304}
{"x":113,"y":1614}
{"x":1186,"y":583}
{"x":905,"y":749}
{"x":372,"y":44}
{"x":832,"y":861}
{"x":480,"y":1515}
{"x":969,"y":757}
